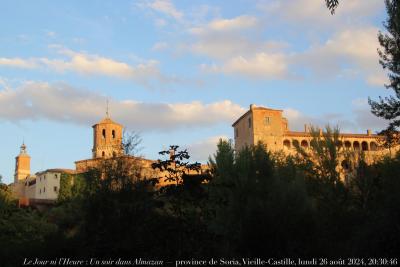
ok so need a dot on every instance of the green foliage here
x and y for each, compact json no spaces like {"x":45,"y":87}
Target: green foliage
{"x":253,"y":204}
{"x":71,"y":186}
{"x":175,"y":166}
{"x":322,"y":160}
{"x":184,"y":199}
{"x":389,"y":107}
{"x":22,"y":230}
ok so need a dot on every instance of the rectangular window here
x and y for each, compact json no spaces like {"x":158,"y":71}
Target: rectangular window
{"x":236,"y":132}
{"x":44,"y":189}
{"x":249,"y":122}
{"x":55,"y":189}
{"x":267,"y":120}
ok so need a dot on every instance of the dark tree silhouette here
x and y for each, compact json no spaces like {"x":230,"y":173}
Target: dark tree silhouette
{"x":332,"y":5}
{"x":389,"y":107}
{"x":131,"y":143}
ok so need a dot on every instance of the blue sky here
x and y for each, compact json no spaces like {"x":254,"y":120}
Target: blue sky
{"x":179,"y":72}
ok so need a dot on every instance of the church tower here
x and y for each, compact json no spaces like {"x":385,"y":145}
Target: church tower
{"x":22,"y":165}
{"x":107,"y":138}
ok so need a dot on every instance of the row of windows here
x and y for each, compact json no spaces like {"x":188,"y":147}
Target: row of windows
{"x":104,"y":134}
{"x":55,"y":188}
{"x":44,"y":177}
{"x":373,"y":146}
{"x":267,"y":121}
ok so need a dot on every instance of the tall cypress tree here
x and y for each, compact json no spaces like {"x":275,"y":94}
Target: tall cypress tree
{"x":389,"y":107}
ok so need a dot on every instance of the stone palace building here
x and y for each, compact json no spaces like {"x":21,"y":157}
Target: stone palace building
{"x":261,"y":124}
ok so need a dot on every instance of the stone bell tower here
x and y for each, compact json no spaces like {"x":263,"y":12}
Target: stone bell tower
{"x":22,"y":165}
{"x":107,"y":138}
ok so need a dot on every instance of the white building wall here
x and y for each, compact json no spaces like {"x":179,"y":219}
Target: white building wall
{"x":47,"y":185}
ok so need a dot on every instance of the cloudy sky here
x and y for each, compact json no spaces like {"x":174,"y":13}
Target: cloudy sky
{"x":179,"y":72}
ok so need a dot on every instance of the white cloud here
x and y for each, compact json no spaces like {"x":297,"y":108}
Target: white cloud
{"x":350,"y":52}
{"x":379,"y":79}
{"x":227,"y":25}
{"x":361,"y":119}
{"x":262,"y":65}
{"x":311,"y":15}
{"x":357,"y":44}
{"x":236,"y":52}
{"x":61,"y":102}
{"x":203,"y":149}
{"x":159,"y":46}
{"x":166,"y":7}
{"x":88,"y":64}
{"x":224,"y":38}
{"x":97,"y":65}
{"x":349,"y":49}
{"x":364,"y":118}
{"x":18,"y":63}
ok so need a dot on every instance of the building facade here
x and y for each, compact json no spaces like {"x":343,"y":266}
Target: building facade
{"x":45,"y":184}
{"x":107,"y":139}
{"x":260,"y":124}
{"x":108,"y":146}
{"x":107,"y":143}
{"x":22,"y":164}
{"x":42,"y":187}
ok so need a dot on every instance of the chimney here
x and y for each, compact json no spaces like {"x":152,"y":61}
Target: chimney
{"x":320,"y":131}
{"x":305,"y":128}
{"x":252,"y":106}
{"x":369,"y":132}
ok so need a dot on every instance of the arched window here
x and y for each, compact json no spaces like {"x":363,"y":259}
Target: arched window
{"x":286,"y":144}
{"x":347,"y":144}
{"x":113,"y":134}
{"x":356,"y":145}
{"x":103,"y":154}
{"x":104,"y":133}
{"x":373,"y":146}
{"x":295,"y":143}
{"x":304,"y":144}
{"x":114,"y":154}
{"x":364,"y":146}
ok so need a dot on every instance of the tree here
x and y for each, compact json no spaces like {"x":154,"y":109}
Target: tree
{"x":131,"y":143}
{"x":389,"y":107}
{"x":322,"y":160}
{"x":183,"y":194}
{"x":332,"y":5}
{"x":174,"y":168}
{"x":392,"y":138}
